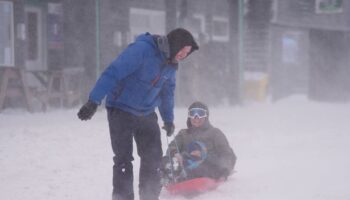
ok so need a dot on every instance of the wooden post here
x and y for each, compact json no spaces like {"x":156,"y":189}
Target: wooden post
{"x":56,"y":87}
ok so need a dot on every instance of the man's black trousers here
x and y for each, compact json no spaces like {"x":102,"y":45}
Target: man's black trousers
{"x":145,"y":130}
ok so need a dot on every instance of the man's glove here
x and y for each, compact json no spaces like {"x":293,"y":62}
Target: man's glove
{"x":169,"y":127}
{"x":87,"y":110}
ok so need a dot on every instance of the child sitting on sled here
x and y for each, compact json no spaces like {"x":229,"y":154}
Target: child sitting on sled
{"x":201,"y":150}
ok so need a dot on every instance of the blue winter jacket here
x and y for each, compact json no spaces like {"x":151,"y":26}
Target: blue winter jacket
{"x":139,"y":80}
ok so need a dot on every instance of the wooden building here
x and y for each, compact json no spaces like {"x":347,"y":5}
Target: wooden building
{"x":60,"y":47}
{"x":52,"y":51}
{"x":310,"y":49}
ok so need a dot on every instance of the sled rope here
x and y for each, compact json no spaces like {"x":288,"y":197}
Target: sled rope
{"x":171,"y":162}
{"x":178,"y":151}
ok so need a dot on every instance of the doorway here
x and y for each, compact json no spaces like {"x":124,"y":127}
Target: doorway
{"x":35,"y":56}
{"x":329,"y":65}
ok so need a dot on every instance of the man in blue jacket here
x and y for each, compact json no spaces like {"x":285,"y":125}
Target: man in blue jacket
{"x":140,"y":79}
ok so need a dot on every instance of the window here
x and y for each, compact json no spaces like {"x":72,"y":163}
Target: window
{"x":220,"y":29}
{"x":6,"y":34}
{"x":144,"y":20}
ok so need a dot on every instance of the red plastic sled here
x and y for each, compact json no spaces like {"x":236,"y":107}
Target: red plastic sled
{"x":193,"y":186}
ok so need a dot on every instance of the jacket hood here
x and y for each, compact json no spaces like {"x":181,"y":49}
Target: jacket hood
{"x":160,"y":44}
{"x":178,"y":39}
{"x":146,"y":37}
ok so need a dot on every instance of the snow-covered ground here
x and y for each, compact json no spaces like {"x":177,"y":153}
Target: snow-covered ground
{"x":292,"y":149}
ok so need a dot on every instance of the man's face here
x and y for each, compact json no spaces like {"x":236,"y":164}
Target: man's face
{"x":182,"y":54}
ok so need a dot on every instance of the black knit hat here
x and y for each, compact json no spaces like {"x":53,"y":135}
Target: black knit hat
{"x":198,"y":104}
{"x":178,"y":39}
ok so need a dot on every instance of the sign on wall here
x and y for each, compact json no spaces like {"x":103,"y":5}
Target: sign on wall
{"x":329,"y":6}
{"x":290,"y":48}
{"x":55,"y":25}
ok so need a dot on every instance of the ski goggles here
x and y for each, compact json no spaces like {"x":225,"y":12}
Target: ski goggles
{"x":197,"y":112}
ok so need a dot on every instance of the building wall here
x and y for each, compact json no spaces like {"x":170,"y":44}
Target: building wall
{"x":326,"y":50}
{"x":94,"y":33}
{"x":207,"y":75}
{"x":329,"y":66}
{"x":256,"y":33}
{"x":303,"y":13}
{"x":289,"y":61}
